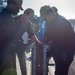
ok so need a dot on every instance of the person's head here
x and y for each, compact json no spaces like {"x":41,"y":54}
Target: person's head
{"x":13,"y":6}
{"x":47,"y":13}
{"x":28,"y":14}
{"x":55,"y":9}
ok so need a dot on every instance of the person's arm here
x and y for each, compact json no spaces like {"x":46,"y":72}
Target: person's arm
{"x":33,"y":37}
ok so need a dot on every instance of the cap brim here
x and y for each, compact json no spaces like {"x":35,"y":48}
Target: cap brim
{"x":21,"y":8}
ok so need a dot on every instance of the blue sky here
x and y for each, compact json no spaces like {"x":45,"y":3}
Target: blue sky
{"x":65,"y":7}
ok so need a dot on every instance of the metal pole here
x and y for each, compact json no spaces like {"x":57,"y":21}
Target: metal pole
{"x":45,"y":48}
{"x":33,"y":59}
{"x":44,"y":59}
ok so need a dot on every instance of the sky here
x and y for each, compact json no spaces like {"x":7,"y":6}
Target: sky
{"x":65,"y":8}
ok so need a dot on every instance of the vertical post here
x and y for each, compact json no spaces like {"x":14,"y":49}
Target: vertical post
{"x":44,"y":59}
{"x":33,"y":59}
{"x":45,"y":48}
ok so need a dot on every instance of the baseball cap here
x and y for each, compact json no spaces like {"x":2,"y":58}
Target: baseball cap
{"x":19,"y":2}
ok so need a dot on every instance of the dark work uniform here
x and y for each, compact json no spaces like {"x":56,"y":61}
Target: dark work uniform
{"x":7,"y":33}
{"x":18,"y":42}
{"x":62,"y":36}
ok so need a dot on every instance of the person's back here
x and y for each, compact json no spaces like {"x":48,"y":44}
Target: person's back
{"x":60,"y":35}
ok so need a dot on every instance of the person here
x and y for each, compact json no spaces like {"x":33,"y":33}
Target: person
{"x":7,"y":33}
{"x":55,"y":9}
{"x":23,"y":37}
{"x":39,"y":28}
{"x":60,"y":36}
{"x":35,"y":24}
{"x":42,"y":30}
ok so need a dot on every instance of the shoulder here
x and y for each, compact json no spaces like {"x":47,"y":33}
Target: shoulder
{"x":65,"y":25}
{"x":62,"y":20}
{"x":18,"y":18}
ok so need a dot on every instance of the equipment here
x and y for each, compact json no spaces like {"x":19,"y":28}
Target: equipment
{"x":39,"y":63}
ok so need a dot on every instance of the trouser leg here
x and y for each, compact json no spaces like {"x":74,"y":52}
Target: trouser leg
{"x":21,"y":57}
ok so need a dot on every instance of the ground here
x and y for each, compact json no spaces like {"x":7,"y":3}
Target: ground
{"x":51,"y":68}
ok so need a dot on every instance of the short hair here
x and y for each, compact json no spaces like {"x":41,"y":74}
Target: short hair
{"x":55,"y":9}
{"x":45,"y":10}
{"x":28,"y":11}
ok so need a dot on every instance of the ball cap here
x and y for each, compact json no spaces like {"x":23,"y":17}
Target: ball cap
{"x":19,"y":2}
